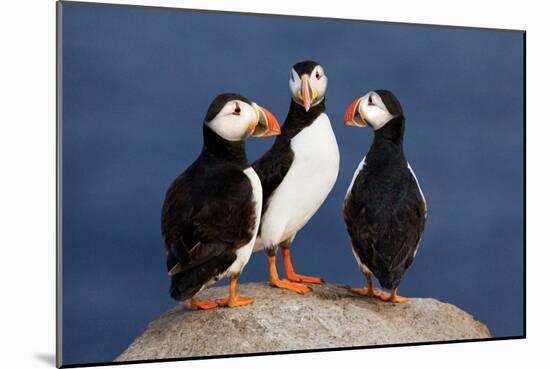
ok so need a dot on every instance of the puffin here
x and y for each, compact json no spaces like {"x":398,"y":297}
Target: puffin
{"x":384,"y":208}
{"x":211,"y":212}
{"x":297,"y":172}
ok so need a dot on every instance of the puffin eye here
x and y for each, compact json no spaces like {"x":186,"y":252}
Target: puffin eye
{"x":317,"y":75}
{"x":370,"y":100}
{"x":292,"y":76}
{"x":237,"y":110}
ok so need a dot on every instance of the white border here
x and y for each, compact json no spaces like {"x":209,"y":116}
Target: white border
{"x":27,"y":192}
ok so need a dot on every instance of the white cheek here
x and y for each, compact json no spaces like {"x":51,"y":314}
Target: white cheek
{"x":294,"y":86}
{"x":375,"y":116}
{"x":320,"y":85}
{"x":234,"y":127}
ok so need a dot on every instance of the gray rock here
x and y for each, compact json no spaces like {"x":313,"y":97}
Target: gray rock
{"x":279,"y":320}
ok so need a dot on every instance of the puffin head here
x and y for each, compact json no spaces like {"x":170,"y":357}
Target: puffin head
{"x":234,"y":118}
{"x":375,"y":109}
{"x":308,"y":83}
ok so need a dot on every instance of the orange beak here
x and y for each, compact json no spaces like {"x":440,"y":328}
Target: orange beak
{"x":306,"y":96}
{"x":267,"y":123}
{"x":352,"y":116}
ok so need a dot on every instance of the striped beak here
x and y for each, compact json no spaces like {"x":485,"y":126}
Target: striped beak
{"x":306,"y":92}
{"x":267,"y":123}
{"x":353,"y":117}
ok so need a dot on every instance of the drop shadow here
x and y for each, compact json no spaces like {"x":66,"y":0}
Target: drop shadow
{"x":46,"y":358}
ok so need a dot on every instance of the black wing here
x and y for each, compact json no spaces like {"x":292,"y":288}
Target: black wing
{"x":273,"y":166}
{"x":385,"y":238}
{"x":208,"y":213}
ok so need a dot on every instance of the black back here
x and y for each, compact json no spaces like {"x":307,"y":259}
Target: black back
{"x":208,"y":212}
{"x":385,"y":212}
{"x":275,"y":163}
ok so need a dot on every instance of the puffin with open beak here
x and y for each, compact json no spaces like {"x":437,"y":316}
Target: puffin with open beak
{"x":212,"y":211}
{"x":384,"y":207}
{"x":297,"y":173}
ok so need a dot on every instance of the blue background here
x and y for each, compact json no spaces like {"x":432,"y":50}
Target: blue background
{"x":137,"y":83}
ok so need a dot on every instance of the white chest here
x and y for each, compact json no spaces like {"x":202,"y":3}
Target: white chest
{"x":316,"y":162}
{"x":243,"y":253}
{"x":307,"y":183}
{"x":256,"y":193}
{"x":316,"y":146}
{"x":360,"y":167}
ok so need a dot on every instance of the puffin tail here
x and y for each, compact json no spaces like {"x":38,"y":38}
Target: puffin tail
{"x":185,"y":285}
{"x":390,"y":280}
{"x":189,"y":281}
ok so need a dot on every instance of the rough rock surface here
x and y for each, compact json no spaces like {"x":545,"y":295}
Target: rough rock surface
{"x":280,"y":320}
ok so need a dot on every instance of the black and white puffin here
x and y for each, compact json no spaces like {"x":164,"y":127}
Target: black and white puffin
{"x":298,"y":172}
{"x":212,"y":211}
{"x":384,"y":208}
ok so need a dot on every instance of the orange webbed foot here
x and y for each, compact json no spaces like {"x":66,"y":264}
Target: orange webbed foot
{"x":294,"y":277}
{"x":368,"y":292}
{"x":296,"y":287}
{"x":237,"y":301}
{"x":393,"y":297}
{"x":202,"y":304}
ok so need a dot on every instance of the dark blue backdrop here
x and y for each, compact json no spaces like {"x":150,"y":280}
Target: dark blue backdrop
{"x":137,"y":83}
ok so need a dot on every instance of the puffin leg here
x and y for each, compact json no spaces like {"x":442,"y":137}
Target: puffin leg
{"x":393,"y":297}
{"x":202,"y":304}
{"x":283,"y":283}
{"x":289,"y":270}
{"x":234,"y":299}
{"x":368,"y":291}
